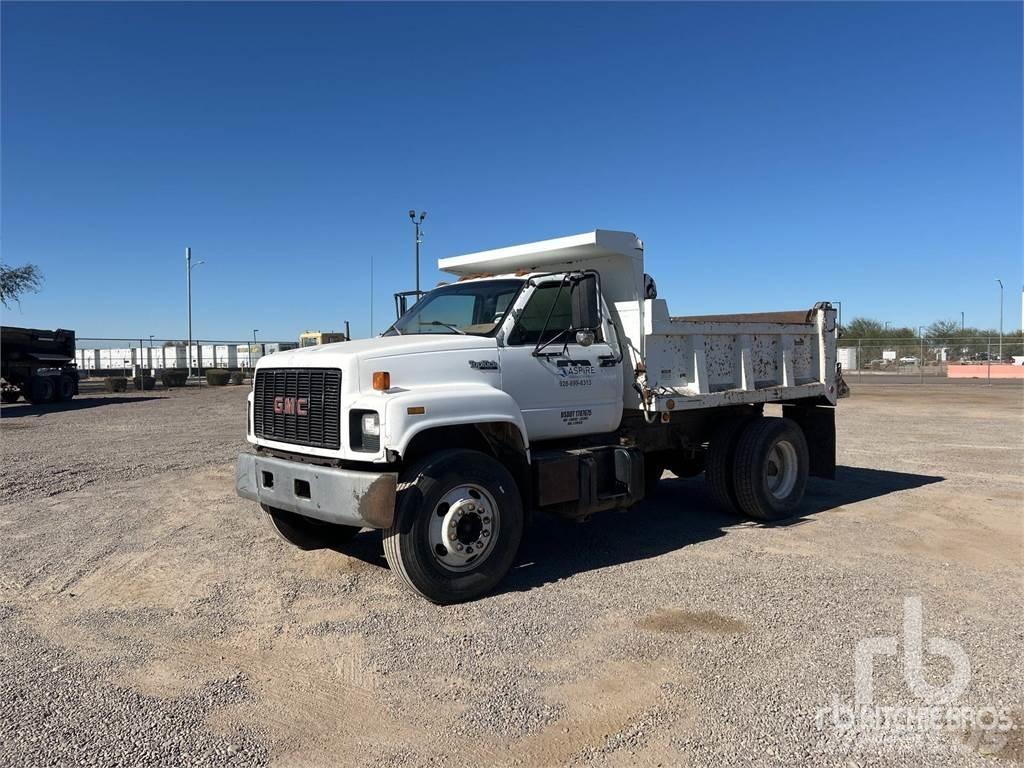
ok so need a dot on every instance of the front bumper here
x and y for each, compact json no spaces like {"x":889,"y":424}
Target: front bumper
{"x":341,"y":496}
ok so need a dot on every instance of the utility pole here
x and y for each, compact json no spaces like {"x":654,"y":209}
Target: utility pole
{"x":1000,"y":319}
{"x":348,"y":336}
{"x":419,"y":239}
{"x":961,"y":321}
{"x":920,"y":362}
{"x":189,"y":266}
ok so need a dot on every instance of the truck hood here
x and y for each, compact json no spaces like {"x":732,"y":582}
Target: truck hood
{"x":345,"y":354}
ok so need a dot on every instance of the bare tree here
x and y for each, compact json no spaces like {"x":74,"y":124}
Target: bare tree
{"x":14,"y":281}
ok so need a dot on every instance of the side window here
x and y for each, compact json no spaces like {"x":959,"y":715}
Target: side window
{"x":531,"y":322}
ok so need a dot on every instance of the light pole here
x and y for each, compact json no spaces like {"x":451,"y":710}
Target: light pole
{"x":920,"y":362}
{"x":1000,"y":319}
{"x":189,"y":266}
{"x":419,"y":239}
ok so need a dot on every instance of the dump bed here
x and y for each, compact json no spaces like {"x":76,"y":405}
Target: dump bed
{"x":705,"y":361}
{"x":32,"y":345}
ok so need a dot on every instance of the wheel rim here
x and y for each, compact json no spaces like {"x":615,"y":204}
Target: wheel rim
{"x":780,"y":470}
{"x":463,"y":527}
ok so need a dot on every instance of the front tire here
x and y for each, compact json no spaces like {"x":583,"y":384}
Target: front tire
{"x":306,"y":533}
{"x":457,"y":528}
{"x":771,"y":468}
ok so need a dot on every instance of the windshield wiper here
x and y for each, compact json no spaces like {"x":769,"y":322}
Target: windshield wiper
{"x":446,"y":325}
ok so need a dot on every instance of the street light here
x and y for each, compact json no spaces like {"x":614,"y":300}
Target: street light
{"x":1000,"y":319}
{"x":189,"y":266}
{"x":920,"y":363}
{"x":419,"y":239}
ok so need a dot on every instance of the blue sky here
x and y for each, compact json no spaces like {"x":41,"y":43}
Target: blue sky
{"x":769,"y":155}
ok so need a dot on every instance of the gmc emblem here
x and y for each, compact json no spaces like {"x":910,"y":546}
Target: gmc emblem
{"x":297,"y":406}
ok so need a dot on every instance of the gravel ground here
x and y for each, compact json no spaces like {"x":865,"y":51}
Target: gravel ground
{"x":148,"y":616}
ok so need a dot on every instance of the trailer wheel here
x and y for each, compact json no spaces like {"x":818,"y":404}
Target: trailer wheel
{"x":65,"y":387}
{"x":10,"y":395}
{"x":40,"y":389}
{"x":771,"y":468}
{"x":719,"y":462}
{"x":307,"y":533}
{"x":457,"y":527}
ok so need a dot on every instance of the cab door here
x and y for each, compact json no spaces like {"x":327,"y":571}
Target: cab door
{"x":562,"y":387}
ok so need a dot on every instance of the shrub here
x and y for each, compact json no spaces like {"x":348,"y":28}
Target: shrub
{"x":144,"y":382}
{"x":116,"y":383}
{"x":174,"y":378}
{"x":236,"y":377}
{"x":217,"y":377}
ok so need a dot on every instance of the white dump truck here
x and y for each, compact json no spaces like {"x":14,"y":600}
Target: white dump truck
{"x":546,"y":377}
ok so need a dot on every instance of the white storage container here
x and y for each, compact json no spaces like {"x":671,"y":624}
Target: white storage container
{"x":847,"y":357}
{"x":226,"y":356}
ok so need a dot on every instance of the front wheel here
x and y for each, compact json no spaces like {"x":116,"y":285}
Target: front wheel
{"x":457,"y":527}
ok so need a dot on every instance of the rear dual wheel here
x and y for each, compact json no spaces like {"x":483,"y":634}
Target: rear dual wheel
{"x":759,"y":467}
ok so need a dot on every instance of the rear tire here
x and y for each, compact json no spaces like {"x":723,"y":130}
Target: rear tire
{"x":40,"y":389}
{"x":306,"y":533}
{"x":771,"y":469}
{"x":719,"y":462}
{"x":457,"y":528}
{"x":65,"y":387}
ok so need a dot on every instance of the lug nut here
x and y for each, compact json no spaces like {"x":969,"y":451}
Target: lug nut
{"x":486,"y":533}
{"x":451,"y":537}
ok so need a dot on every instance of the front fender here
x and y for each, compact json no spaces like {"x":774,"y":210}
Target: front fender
{"x":445,"y":407}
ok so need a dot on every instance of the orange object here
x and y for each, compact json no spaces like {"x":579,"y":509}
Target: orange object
{"x":381,"y":380}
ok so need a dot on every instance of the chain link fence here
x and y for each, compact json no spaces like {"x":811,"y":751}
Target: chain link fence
{"x":927,"y":358}
{"x":151,"y":356}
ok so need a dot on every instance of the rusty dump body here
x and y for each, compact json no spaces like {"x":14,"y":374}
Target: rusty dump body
{"x":702,"y":361}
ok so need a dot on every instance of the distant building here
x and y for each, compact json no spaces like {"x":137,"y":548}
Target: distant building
{"x":315,"y":338}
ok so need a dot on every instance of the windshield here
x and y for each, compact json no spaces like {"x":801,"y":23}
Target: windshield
{"x":475,"y":308}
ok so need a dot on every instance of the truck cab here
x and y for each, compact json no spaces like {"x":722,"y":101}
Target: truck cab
{"x":526,"y":383}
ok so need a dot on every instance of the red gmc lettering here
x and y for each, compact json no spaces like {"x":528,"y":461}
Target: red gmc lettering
{"x":298,"y":406}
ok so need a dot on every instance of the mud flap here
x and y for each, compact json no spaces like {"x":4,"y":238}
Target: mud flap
{"x":818,"y":423}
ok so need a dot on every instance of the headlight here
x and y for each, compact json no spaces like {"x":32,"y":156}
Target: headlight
{"x":371,"y":425}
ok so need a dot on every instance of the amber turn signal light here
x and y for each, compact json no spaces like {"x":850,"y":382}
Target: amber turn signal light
{"x":381,"y":380}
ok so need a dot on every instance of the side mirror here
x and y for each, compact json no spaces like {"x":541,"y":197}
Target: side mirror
{"x":586,"y":304}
